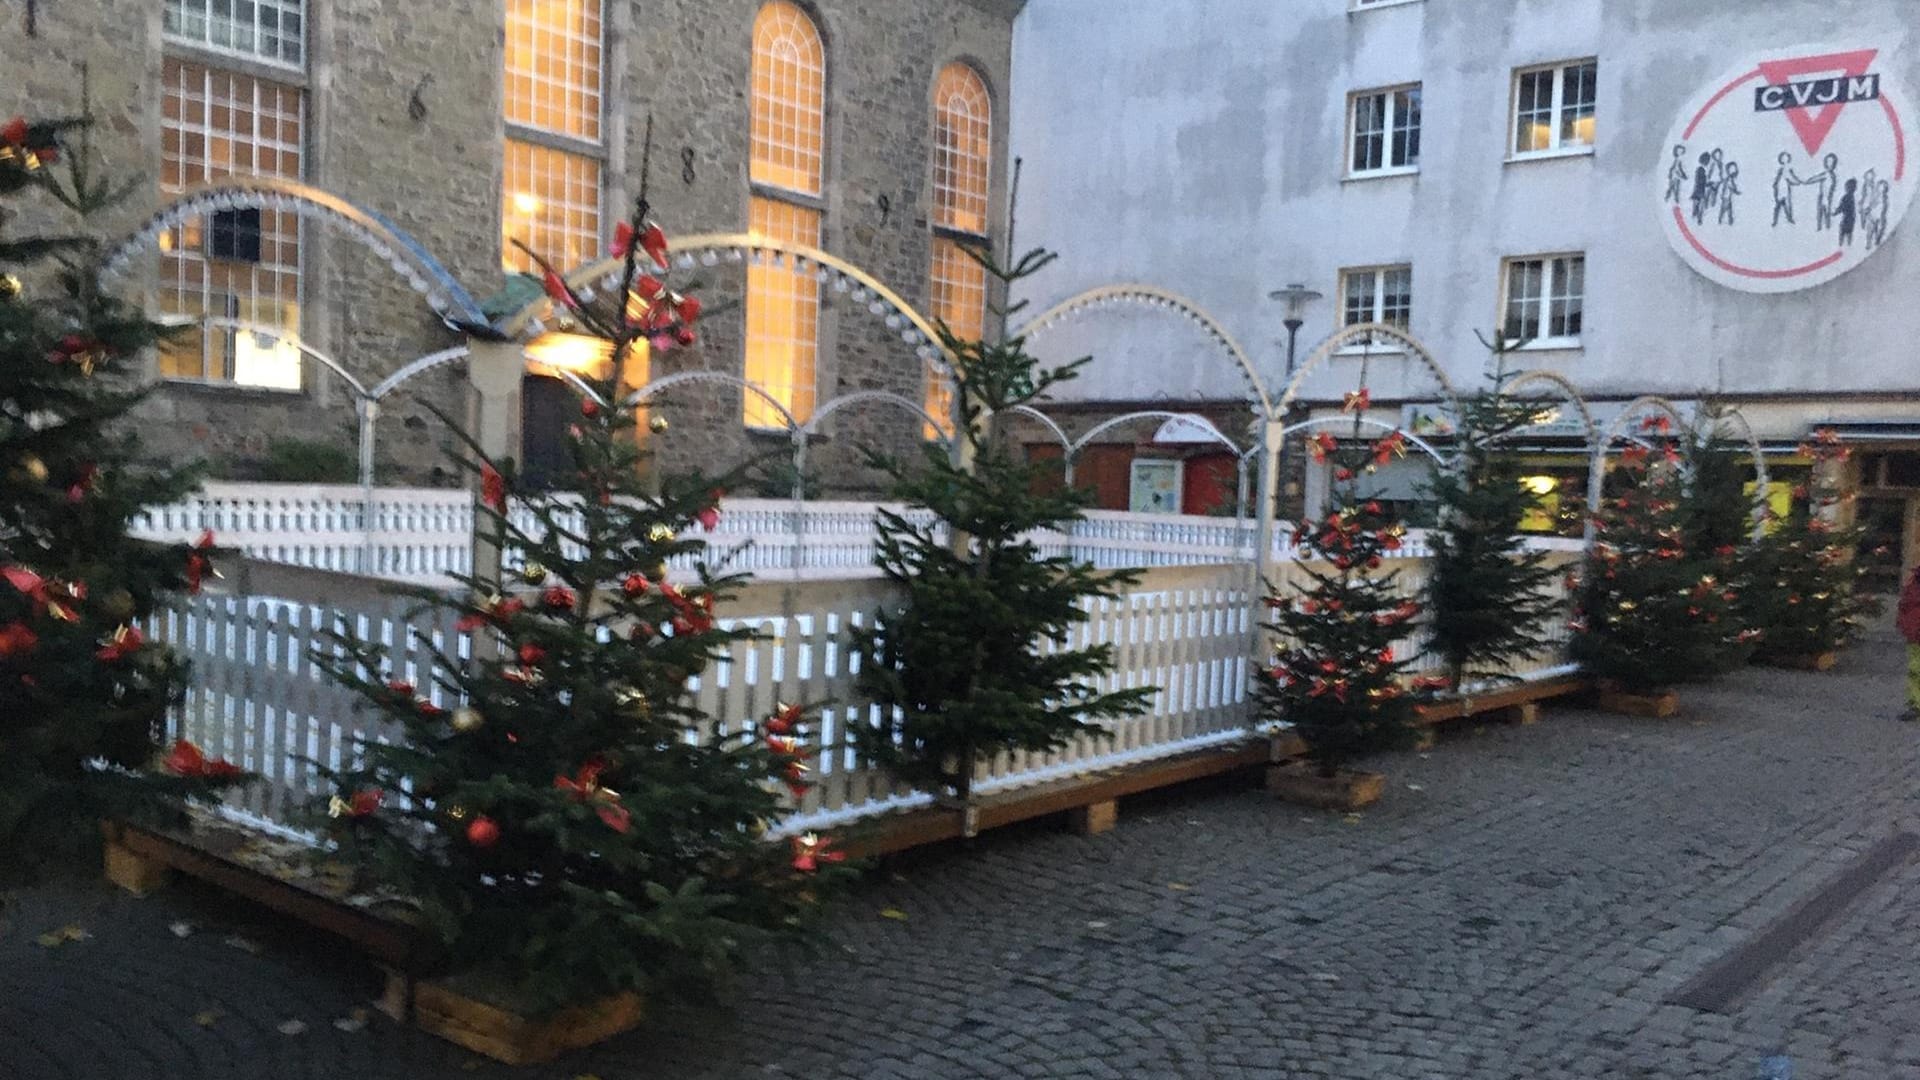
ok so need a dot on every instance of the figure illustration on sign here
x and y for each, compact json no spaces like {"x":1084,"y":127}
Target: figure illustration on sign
{"x":1729,"y":188}
{"x":1716,"y":172}
{"x":1869,"y":205}
{"x":1847,"y":210}
{"x":1784,"y":182}
{"x":1883,"y":199}
{"x":1829,"y":182}
{"x":1702,"y":188}
{"x":1677,"y":175}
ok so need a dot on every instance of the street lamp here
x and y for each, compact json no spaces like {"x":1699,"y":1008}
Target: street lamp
{"x":1296,"y":297}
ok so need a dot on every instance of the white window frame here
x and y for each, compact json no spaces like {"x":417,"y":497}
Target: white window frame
{"x":203,"y":13}
{"x":1375,"y":5}
{"x":1549,"y":281}
{"x":1388,"y":116}
{"x":1557,"y":116}
{"x":1379,"y":275}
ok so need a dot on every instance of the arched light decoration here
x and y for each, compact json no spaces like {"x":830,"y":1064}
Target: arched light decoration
{"x":867,"y":292}
{"x":1154,"y":298}
{"x":1370,"y":423}
{"x":1636,"y":410}
{"x":1370,"y":334}
{"x":1760,"y":476}
{"x":419,"y":269}
{"x":366,"y":400}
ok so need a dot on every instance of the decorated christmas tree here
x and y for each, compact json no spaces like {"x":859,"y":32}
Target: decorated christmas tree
{"x":1718,"y":514}
{"x":1804,"y":591}
{"x":977,"y":661}
{"x":1488,"y":595}
{"x":569,"y":820}
{"x":83,"y":693}
{"x":1339,"y":671}
{"x":1651,"y":613}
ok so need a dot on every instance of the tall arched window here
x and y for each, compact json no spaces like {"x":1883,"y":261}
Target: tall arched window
{"x":962,"y":172}
{"x":555,"y":148}
{"x":787,"y":172}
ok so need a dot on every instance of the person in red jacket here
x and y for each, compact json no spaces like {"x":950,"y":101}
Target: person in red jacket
{"x":1910,"y":629}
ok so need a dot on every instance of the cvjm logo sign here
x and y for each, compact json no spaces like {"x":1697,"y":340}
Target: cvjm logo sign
{"x":1789,"y":170}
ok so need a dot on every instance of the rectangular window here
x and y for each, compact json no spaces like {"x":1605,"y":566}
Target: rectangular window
{"x":551,"y":204}
{"x":269,"y":30}
{"x":1545,"y":297}
{"x":554,"y":66}
{"x":1386,"y":132}
{"x":1376,"y":294}
{"x":1553,"y":108}
{"x":783,"y":317}
{"x":238,"y":264}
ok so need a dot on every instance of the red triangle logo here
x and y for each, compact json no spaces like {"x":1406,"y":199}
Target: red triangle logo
{"x":1814,"y":125}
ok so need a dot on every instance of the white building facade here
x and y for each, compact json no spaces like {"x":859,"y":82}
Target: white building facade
{"x":1698,"y":200}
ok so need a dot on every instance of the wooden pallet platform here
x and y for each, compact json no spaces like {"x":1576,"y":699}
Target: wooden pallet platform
{"x":1515,"y":697}
{"x":1091,"y":800}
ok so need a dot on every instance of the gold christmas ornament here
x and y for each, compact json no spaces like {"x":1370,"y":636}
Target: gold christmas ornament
{"x":10,"y":286}
{"x":467,"y":719}
{"x":631,"y":701}
{"x":658,"y":425}
{"x":658,"y":571}
{"x":33,"y":468}
{"x":533,"y":573}
{"x":660,"y":534}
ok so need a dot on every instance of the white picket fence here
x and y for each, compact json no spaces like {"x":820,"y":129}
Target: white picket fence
{"x":258,"y":699}
{"x":424,"y":535}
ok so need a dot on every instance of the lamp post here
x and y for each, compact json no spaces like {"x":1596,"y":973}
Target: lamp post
{"x":1296,"y":297}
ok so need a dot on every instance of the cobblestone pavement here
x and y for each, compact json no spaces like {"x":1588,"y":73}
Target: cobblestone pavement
{"x":1517,"y":906}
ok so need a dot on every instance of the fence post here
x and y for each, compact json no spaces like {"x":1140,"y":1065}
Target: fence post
{"x":369,"y":411}
{"x":1271,"y":437}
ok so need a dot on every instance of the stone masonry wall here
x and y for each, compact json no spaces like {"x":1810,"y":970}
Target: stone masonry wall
{"x":435,"y":169}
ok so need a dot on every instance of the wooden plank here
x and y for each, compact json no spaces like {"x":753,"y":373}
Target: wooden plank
{"x":391,"y":942}
{"x":898,"y":832}
{"x":1504,"y":697}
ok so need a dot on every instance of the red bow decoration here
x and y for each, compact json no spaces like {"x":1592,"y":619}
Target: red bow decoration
{"x":531,"y":654}
{"x":1393,"y":446}
{"x":125,"y":641}
{"x":649,"y":288}
{"x":361,"y":803}
{"x":1660,"y":423}
{"x":557,"y":290}
{"x":585,"y":787}
{"x":1356,"y":400}
{"x":1323,"y":444}
{"x":709,"y":517}
{"x":496,"y":611}
{"x":17,"y":639}
{"x":785,"y":719}
{"x":49,"y":597}
{"x":186,"y":759}
{"x":493,"y":487}
{"x":812,"y":849}
{"x":198,"y":565}
{"x":651,"y":238}
{"x":1634,"y":455}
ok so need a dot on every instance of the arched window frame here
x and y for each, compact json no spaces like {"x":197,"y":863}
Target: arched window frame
{"x":787,"y":173}
{"x":962,"y":184}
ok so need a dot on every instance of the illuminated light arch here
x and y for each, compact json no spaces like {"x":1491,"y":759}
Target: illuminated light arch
{"x":1413,"y":440}
{"x":1569,"y":394}
{"x":712,"y":249}
{"x":886,"y":397}
{"x":1760,"y":474}
{"x":1156,"y":298}
{"x":422,"y":272}
{"x":1603,"y":448}
{"x":1370,"y":333}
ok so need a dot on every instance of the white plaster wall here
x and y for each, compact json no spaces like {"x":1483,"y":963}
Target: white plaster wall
{"x":1198,"y":145}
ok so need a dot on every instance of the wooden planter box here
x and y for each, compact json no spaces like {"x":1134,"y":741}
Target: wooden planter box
{"x":1806,"y":662}
{"x":1657,"y":706}
{"x":450,"y":1010}
{"x":1346,"y":790}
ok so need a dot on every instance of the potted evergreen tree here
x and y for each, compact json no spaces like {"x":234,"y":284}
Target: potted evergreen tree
{"x":976,"y":661}
{"x":1339,"y":679}
{"x":574,"y":829}
{"x":1804,"y":589}
{"x":83,"y":692}
{"x":1488,"y":595}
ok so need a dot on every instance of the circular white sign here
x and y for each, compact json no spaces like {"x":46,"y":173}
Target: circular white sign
{"x":1791,"y":169}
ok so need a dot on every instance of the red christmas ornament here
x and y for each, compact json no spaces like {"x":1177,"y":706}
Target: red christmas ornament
{"x":401,"y":687}
{"x":14,"y":131}
{"x":558,"y":597}
{"x":532,"y":654}
{"x":708,"y":517}
{"x":589,"y":408}
{"x":635,"y":585}
{"x":482,"y":832}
